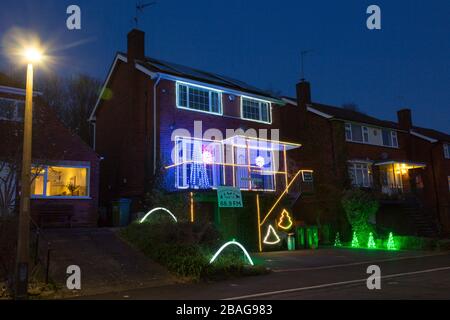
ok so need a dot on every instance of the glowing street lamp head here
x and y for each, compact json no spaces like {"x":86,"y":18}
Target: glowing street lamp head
{"x":32,"y":55}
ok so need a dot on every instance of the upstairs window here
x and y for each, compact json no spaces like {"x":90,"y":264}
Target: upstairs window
{"x":11,"y":110}
{"x":390,"y":138}
{"x":446,"y":151}
{"x":198,"y":98}
{"x":356,"y":133}
{"x":348,"y":132}
{"x":258,"y":110}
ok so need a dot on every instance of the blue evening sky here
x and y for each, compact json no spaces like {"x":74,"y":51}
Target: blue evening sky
{"x":406,"y":64}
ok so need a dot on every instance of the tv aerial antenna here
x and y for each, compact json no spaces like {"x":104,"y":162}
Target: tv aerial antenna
{"x":140,"y":6}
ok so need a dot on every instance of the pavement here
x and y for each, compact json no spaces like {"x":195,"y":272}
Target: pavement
{"x":107,"y":263}
{"x":319,"y":274}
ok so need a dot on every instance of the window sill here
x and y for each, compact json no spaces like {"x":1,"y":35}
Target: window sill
{"x":371,"y":144}
{"x":60,"y":198}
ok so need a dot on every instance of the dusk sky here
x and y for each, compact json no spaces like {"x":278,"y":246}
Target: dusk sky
{"x":406,"y":64}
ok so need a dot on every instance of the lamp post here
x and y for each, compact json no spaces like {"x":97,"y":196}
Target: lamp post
{"x":23,"y":242}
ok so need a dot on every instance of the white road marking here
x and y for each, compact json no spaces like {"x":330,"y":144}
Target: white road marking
{"x":327,"y":285}
{"x":360,"y":263}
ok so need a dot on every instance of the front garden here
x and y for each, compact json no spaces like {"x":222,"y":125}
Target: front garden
{"x":186,"y":249}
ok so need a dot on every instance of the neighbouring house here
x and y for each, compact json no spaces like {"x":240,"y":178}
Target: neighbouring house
{"x":64,"y":190}
{"x":406,"y":167}
{"x":202,"y":132}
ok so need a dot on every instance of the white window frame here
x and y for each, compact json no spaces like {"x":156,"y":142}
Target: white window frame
{"x":210,"y":91}
{"x":365,"y":132}
{"x":183,"y":161}
{"x":446,"y":151}
{"x":244,"y":167}
{"x":260,"y":103}
{"x":45,"y":174}
{"x":394,"y":137}
{"x":17,"y":117}
{"x":308,"y":172}
{"x":348,"y":132}
{"x":364,"y":167}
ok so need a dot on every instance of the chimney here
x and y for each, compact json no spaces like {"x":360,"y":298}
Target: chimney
{"x":404,"y":119}
{"x":303,"y":93}
{"x":136,"y":45}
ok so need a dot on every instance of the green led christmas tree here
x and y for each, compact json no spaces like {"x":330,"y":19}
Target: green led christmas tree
{"x":337,"y":240}
{"x":355,"y":242}
{"x":371,"y":243}
{"x":391,"y":243}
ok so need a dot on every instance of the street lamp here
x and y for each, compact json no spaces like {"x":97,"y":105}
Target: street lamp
{"x":31,"y":56}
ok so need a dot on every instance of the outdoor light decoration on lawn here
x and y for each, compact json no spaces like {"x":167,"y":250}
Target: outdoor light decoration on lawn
{"x":285,"y":221}
{"x":355,"y":242}
{"x":159,"y":209}
{"x":271,"y":233}
{"x":337,"y":240}
{"x":391,"y":243}
{"x":235,"y":243}
{"x":371,"y":242}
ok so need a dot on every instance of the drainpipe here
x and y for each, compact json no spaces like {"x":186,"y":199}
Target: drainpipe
{"x":155,"y":85}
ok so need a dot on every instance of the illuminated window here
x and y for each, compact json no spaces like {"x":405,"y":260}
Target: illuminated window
{"x":38,"y":181}
{"x":258,"y":110}
{"x":360,"y":174}
{"x":200,"y":164}
{"x":11,"y":109}
{"x":254,"y":174}
{"x":198,"y":98}
{"x":60,"y":181}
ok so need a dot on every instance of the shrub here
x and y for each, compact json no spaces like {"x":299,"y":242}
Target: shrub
{"x":359,"y":206}
{"x":185,"y":249}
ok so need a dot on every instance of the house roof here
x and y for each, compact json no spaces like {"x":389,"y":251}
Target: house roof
{"x":433,"y":134}
{"x":347,"y":114}
{"x":179,"y":70}
{"x":51,"y":139}
{"x":352,"y":115}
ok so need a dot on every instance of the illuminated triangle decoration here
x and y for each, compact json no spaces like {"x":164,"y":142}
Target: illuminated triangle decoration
{"x":271,"y":233}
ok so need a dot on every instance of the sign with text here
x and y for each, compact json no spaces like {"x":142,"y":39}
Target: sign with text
{"x":229,"y":197}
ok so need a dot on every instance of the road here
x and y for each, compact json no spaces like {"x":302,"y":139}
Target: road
{"x":321,"y":274}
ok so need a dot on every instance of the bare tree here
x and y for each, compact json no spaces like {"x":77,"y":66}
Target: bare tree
{"x":72,"y":99}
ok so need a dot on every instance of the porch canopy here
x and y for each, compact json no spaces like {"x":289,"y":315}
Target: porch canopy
{"x":260,"y":143}
{"x":403,"y":164}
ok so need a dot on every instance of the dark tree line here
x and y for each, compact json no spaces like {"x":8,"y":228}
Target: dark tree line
{"x":72,"y":98}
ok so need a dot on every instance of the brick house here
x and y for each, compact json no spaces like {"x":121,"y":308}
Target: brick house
{"x":64,"y":189}
{"x":405,"y":166}
{"x":203,"y":131}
